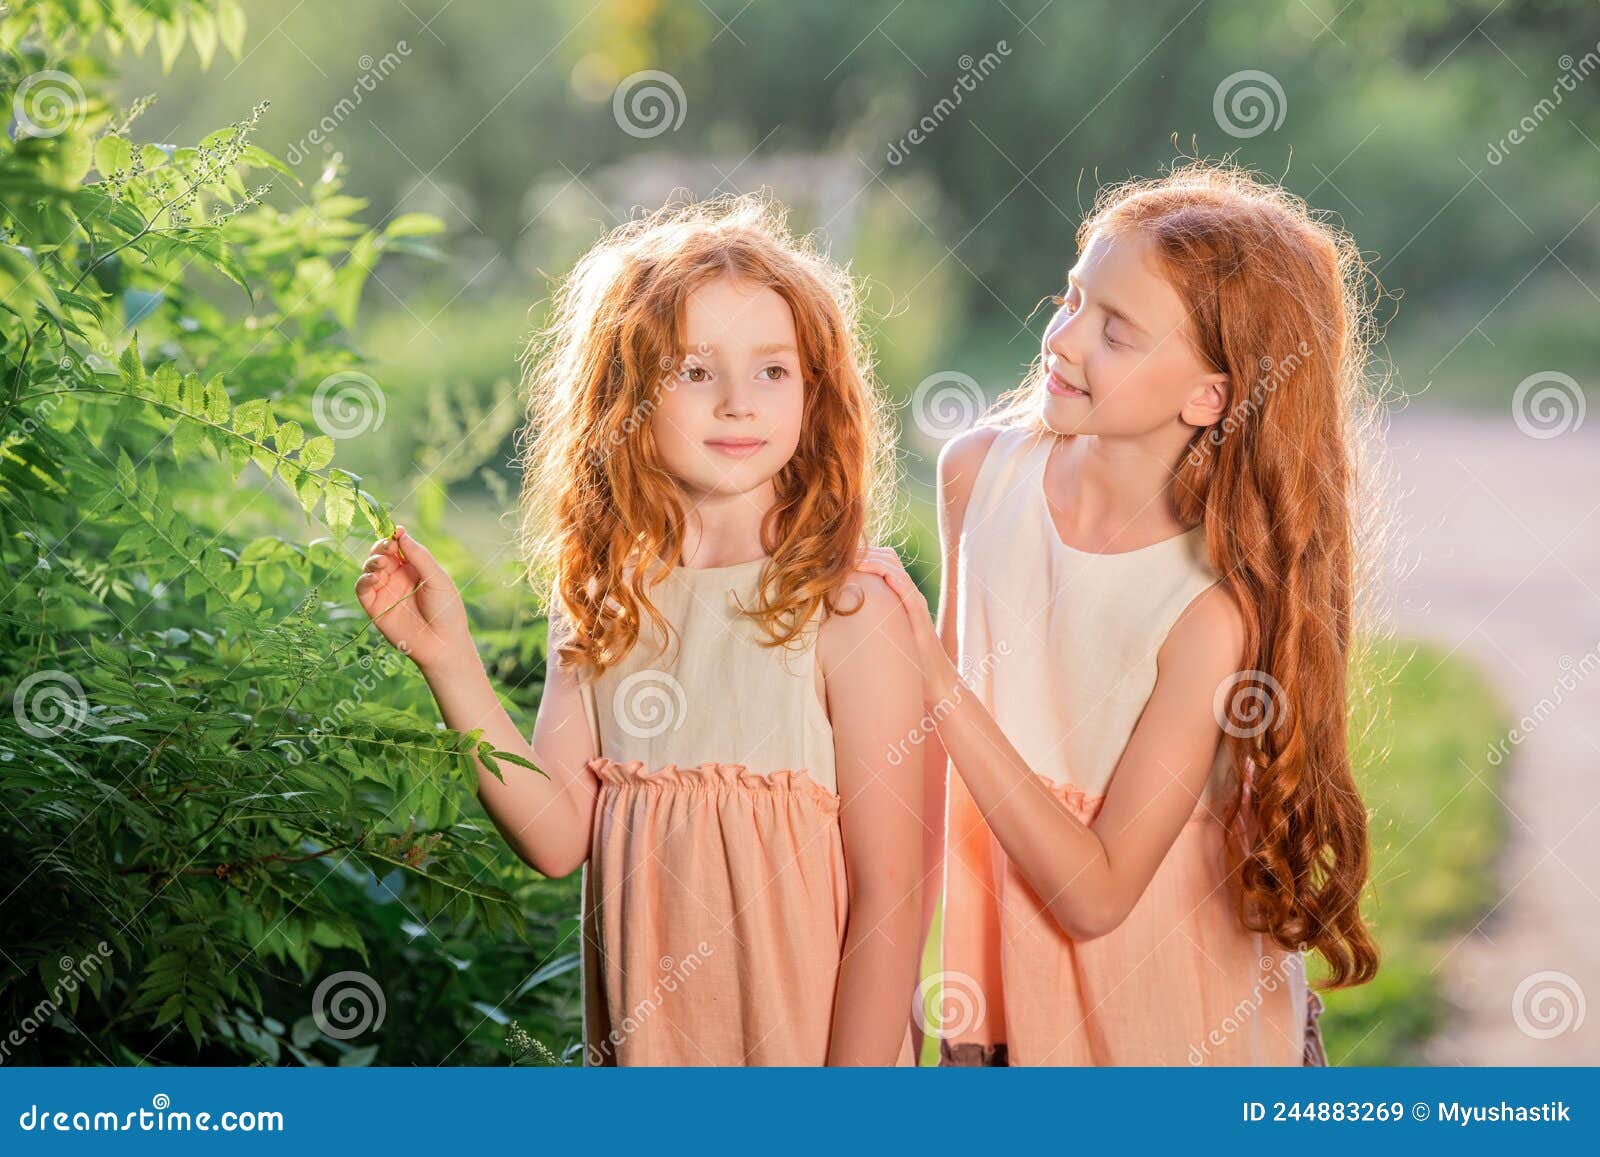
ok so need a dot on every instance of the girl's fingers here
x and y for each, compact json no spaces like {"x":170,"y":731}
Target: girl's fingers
{"x":420,"y":557}
{"x":893,"y":573}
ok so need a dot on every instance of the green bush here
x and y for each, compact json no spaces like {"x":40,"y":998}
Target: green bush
{"x":235,"y":831}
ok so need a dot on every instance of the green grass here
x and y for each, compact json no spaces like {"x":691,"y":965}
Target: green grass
{"x":1420,"y":750}
{"x":1419,"y":742}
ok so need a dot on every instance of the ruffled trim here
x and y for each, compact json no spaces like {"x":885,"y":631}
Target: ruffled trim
{"x":713,"y":776}
{"x":1083,"y":805}
{"x":1086,"y":806}
{"x":973,"y":1054}
{"x":1316,"y":1053}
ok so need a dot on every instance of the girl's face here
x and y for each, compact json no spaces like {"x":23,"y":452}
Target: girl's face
{"x":728,"y":418}
{"x":1118,"y":356}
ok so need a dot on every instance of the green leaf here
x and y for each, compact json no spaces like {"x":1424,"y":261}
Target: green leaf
{"x":130,"y":365}
{"x":250,"y":417}
{"x":413,"y":225}
{"x":168,"y":384}
{"x":22,"y":286}
{"x":169,"y":37}
{"x":351,"y":278}
{"x":216,"y":400}
{"x":230,"y":26}
{"x":188,"y":440}
{"x":127,"y":479}
{"x":170,"y":1010}
{"x":203,"y":32}
{"x":289,"y":437}
{"x":317,"y":453}
{"x":305,"y":1031}
{"x":357,"y":1058}
{"x":339,"y":506}
{"x":112,"y":153}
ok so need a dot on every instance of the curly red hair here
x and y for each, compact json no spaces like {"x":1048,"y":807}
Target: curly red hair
{"x":1280,"y":300}
{"x":601,"y":518}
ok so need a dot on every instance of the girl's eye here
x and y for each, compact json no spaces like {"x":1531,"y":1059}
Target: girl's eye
{"x":779,"y":374}
{"x":1113,"y":341}
{"x":689,"y":373}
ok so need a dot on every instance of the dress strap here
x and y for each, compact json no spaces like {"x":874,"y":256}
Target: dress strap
{"x":1003,"y":470}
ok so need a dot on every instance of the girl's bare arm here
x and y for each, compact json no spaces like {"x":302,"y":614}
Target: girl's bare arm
{"x":875,"y":701}
{"x":544,"y":817}
{"x":1089,"y":877}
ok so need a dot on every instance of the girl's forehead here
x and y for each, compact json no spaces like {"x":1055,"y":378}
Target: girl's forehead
{"x":1124,"y":268}
{"x":726,"y":314}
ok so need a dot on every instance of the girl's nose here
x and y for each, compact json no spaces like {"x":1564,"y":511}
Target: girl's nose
{"x":737,"y":402}
{"x":1061,"y":336}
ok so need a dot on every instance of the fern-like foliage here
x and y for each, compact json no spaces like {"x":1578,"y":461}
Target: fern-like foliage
{"x":218,"y":787}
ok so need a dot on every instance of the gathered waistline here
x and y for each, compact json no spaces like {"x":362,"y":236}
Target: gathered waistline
{"x":713,"y":776}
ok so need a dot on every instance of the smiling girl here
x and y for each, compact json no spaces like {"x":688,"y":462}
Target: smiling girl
{"x":722,"y":690}
{"x":1150,"y":556}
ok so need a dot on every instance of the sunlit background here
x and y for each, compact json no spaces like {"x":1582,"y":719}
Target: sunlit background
{"x":947,"y":153}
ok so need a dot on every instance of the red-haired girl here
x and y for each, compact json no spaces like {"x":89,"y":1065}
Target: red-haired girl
{"x":708,"y":462}
{"x":1150,"y":556}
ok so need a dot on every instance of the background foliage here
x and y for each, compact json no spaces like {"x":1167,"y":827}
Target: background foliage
{"x":218,"y":792}
{"x":229,"y":351}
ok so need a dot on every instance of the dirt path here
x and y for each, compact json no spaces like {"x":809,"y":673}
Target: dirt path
{"x":1502,"y":534}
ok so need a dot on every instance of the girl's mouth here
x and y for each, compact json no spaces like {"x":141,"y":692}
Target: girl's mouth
{"x":736,"y":447}
{"x":1061,"y":388}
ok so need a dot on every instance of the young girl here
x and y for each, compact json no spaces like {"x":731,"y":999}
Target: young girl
{"x":1148,"y":568}
{"x":722,"y":689}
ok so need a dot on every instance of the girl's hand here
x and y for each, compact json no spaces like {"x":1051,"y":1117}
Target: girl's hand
{"x":937,"y":670}
{"x":428,"y":626}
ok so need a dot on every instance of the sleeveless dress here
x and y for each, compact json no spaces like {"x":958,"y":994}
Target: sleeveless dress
{"x":1180,"y":981}
{"x":715,"y":893}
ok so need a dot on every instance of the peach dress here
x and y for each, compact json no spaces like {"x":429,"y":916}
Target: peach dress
{"x":1060,"y":644}
{"x":715,"y":894}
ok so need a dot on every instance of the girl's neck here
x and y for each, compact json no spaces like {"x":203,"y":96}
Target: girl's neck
{"x":1110,"y":492}
{"x":725,"y":529}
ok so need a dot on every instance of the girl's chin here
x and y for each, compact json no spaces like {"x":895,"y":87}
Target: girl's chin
{"x":1063,"y":415}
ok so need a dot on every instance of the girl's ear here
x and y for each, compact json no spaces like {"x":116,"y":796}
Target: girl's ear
{"x":1208,"y":403}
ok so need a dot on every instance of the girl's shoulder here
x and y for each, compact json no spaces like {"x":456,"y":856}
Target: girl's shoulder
{"x":971,"y":455}
{"x":870,"y":630}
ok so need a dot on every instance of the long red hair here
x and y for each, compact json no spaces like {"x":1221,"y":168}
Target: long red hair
{"x":1279,"y":299}
{"x":601,"y":517}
